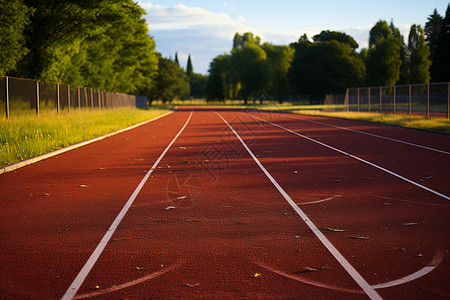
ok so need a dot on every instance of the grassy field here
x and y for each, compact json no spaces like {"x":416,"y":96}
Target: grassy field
{"x":28,"y":136}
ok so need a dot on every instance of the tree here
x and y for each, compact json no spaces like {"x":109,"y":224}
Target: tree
{"x":249,"y":63}
{"x":279,"y":60}
{"x":419,"y":52}
{"x":176,"y":58}
{"x":14,"y":18}
{"x":433,"y":29}
{"x":217,"y":87}
{"x":384,"y":55}
{"x":326,"y":67}
{"x":189,"y":68}
{"x":440,"y":68}
{"x":340,"y":37}
{"x":171,"y":82}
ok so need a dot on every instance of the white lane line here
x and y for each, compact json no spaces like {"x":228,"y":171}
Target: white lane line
{"x":73,"y":288}
{"x":371,"y":134}
{"x":357,"y":158}
{"x":367,"y":288}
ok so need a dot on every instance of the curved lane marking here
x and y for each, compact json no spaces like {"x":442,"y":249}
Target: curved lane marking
{"x":319,"y":201}
{"x":78,"y":281}
{"x":437,"y":259}
{"x":307,"y":281}
{"x":374,"y":135}
{"x":115,"y":288}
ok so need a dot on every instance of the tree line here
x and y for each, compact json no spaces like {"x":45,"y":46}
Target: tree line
{"x":330,"y":63}
{"x":103,"y":44}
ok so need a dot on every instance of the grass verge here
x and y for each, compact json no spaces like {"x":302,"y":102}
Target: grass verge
{"x":28,"y":136}
{"x":441,"y":125}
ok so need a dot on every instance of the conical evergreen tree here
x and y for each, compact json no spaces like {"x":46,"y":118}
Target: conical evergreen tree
{"x":189,"y":68}
{"x":176,"y":58}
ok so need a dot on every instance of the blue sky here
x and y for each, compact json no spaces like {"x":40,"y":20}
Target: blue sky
{"x":205,"y":29}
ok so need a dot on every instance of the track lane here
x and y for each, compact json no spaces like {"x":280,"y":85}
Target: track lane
{"x":54,"y":211}
{"x":364,"y":196}
{"x":422,"y":166}
{"x":238,"y":220}
{"x":213,"y":246}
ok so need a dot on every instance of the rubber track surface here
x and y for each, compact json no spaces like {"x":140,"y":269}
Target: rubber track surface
{"x":231,"y":234}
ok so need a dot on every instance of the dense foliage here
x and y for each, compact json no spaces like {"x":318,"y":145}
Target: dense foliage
{"x":330,"y":63}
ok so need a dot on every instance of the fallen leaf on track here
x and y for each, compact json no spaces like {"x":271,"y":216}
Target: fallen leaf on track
{"x":170,"y":207}
{"x":184,"y":161}
{"x":183,"y":148}
{"x":139,"y":268}
{"x":333,"y":229}
{"x":358,"y":237}
{"x":256,"y":275}
{"x":307,"y":269}
{"x":83,"y":186}
{"x":409,"y":224}
{"x":192,"y":285}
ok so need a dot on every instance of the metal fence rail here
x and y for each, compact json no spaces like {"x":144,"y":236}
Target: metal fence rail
{"x":23,"y":96}
{"x":430,"y":99}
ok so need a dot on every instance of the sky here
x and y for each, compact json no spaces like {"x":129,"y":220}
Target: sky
{"x":205,"y":29}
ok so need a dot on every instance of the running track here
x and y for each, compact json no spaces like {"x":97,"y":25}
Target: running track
{"x":267,"y":205}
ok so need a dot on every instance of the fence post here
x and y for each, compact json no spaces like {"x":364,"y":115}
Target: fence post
{"x":92,"y":98}
{"x":78,"y":97}
{"x":368,"y":97}
{"x":58,"y":103}
{"x":7,"y":97}
{"x":428,"y":100}
{"x":409,"y":99}
{"x":448,"y":100}
{"x":37,"y":97}
{"x":68,"y":97}
{"x":346,"y":100}
{"x":381,"y":98}
{"x":357,"y":99}
{"x":394,"y":99}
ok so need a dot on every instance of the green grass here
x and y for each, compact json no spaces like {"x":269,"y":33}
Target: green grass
{"x":27,"y":136}
{"x":409,"y":121}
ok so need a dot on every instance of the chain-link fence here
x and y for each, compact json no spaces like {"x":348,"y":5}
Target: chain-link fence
{"x":20,"y":96}
{"x":431,"y":99}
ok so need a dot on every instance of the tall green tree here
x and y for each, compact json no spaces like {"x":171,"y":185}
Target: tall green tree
{"x":419,"y":53}
{"x":440,"y":68}
{"x":433,"y":29}
{"x":384,"y":55}
{"x":189,"y":68}
{"x":327,"y":35}
{"x":171,"y":82}
{"x":249,"y":62}
{"x":279,"y":60}
{"x":14,"y":18}
{"x":325,"y":67}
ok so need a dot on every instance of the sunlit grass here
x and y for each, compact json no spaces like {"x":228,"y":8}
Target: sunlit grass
{"x":27,"y":136}
{"x":403,"y":120}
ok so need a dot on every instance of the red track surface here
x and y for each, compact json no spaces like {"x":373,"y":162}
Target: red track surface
{"x":232,"y":233}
